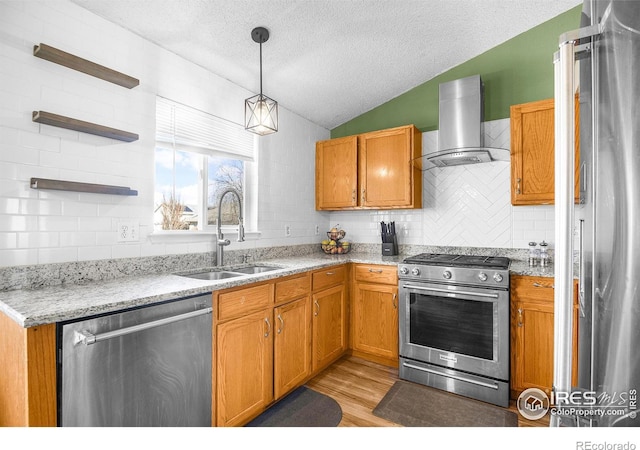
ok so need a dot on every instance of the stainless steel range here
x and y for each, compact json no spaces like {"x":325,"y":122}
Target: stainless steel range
{"x":454,"y":324}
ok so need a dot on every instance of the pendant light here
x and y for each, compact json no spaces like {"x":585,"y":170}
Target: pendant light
{"x":260,"y":112}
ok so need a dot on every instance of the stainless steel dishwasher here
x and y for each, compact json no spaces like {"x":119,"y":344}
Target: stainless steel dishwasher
{"x":143,"y":367}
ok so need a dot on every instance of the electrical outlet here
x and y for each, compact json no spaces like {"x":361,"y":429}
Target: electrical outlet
{"x":317,"y":230}
{"x":287,"y":230}
{"x":128,"y":231}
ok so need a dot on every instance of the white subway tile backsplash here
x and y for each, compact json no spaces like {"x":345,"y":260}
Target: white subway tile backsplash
{"x":57,"y":255}
{"x":19,"y":257}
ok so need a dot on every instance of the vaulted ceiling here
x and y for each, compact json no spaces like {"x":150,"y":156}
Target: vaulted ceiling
{"x":329,"y":60}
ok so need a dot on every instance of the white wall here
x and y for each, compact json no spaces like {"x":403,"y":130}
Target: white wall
{"x":467,"y":206}
{"x":38,"y":226}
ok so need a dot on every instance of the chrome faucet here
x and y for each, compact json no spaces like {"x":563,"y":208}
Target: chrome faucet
{"x":222,"y":242}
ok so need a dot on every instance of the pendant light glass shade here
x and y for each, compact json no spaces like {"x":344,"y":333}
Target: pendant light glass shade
{"x":260,"y":111}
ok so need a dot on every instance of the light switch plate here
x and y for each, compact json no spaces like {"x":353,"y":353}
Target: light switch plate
{"x":128,"y":231}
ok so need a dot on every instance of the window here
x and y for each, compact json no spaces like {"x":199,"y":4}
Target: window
{"x":197,"y":157}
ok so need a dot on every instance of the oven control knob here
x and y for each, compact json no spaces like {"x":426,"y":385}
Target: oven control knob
{"x":446,"y":275}
{"x":497,"y":278}
{"x":404,"y":270}
{"x":415,"y":271}
{"x":482,"y":276}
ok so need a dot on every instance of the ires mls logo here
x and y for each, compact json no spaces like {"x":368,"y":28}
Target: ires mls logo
{"x":533,"y":404}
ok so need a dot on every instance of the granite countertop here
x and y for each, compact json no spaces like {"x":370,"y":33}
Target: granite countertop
{"x":31,"y":307}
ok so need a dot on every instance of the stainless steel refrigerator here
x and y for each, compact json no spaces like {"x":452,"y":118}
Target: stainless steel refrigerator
{"x":599,"y":239}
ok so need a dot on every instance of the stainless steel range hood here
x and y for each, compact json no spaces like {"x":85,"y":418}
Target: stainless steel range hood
{"x":461,"y":128}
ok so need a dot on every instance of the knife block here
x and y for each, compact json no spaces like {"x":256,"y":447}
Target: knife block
{"x":390,"y":248}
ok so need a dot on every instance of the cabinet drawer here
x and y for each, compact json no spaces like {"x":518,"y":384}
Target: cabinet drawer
{"x":377,"y":274}
{"x":242,"y":301}
{"x":539,"y":288}
{"x":292,"y":288}
{"x":329,"y":277}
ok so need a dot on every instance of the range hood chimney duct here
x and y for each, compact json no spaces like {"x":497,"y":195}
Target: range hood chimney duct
{"x":461,"y":127}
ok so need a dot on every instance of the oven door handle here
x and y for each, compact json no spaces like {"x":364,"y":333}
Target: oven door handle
{"x":447,"y":291}
{"x":455,"y":377}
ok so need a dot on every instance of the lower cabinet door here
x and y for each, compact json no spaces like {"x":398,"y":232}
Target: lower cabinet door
{"x":375,"y":320}
{"x":329,"y":326}
{"x":292,"y":345}
{"x":244,"y":367}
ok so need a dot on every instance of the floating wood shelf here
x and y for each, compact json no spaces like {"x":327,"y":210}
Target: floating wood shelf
{"x":63,"y":58}
{"x":59,"y":185}
{"x":56,"y":120}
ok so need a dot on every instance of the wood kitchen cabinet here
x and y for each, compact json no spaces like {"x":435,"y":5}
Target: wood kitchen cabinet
{"x":533,"y":155}
{"x":292,"y":338}
{"x":262,"y":346}
{"x":329,"y":327}
{"x":337,"y":173}
{"x":532,"y":326}
{"x":370,"y":170}
{"x":243,"y":353}
{"x":374,"y":313}
{"x":27,"y":375}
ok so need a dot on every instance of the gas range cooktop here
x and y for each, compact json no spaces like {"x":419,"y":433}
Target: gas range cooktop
{"x":440,"y":259}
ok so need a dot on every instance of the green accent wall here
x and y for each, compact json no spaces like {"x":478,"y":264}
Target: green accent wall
{"x":517,"y":71}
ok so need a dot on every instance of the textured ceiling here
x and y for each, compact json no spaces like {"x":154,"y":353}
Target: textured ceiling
{"x":329,"y":60}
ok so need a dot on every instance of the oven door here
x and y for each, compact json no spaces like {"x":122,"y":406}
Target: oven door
{"x":459,"y":327}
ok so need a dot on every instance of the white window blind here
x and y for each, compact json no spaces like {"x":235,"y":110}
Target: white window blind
{"x":186,"y":128}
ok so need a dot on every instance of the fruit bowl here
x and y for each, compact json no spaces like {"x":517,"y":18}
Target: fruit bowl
{"x":336,"y":248}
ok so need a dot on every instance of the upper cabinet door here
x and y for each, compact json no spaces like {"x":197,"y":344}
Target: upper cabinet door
{"x":385,"y":168}
{"x":533,"y":155}
{"x":336,"y":173}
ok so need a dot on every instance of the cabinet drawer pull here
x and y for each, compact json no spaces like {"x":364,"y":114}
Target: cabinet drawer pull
{"x":329,"y":273}
{"x":394,"y":300}
{"x":266,"y":334}
{"x":353,"y":196}
{"x":364,"y":196}
{"x":317,"y":311}
{"x":281,"y":324}
{"x":540,"y":285}
{"x":520,"y":317}
{"x":518,"y":186}
{"x":375,"y":270}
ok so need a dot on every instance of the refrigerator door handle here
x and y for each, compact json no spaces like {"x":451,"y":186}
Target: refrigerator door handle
{"x":581,"y":272}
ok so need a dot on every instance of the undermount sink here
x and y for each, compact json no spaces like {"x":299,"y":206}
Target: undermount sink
{"x":213,"y":275}
{"x":255,"y":269}
{"x":230,"y":273}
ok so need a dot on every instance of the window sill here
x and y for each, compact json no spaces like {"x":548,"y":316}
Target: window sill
{"x":198,"y":236}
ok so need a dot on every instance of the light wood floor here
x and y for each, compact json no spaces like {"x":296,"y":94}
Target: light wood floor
{"x":358,"y":386}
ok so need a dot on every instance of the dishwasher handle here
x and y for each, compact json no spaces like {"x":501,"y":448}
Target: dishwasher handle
{"x":88,"y":338}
